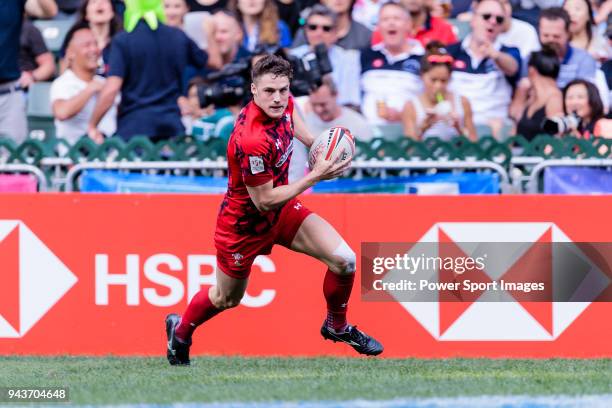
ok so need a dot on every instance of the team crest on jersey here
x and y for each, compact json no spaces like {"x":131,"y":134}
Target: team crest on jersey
{"x":257,"y":164}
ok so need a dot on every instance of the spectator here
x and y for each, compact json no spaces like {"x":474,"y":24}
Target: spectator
{"x":425,"y":27}
{"x":289,"y":12}
{"x":35,"y":60}
{"x":12,"y":102}
{"x":149,"y":77}
{"x":207,"y":5}
{"x":485,"y":70}
{"x":74,"y":93}
{"x":606,"y":67}
{"x":518,"y":34}
{"x":321,"y":29}
{"x":350,"y":34}
{"x":583,"y":30}
{"x":390,"y":70}
{"x":554,"y":29}
{"x":437,"y":111}
{"x":104,"y":24}
{"x":228,"y":35}
{"x":546,"y":100}
{"x":260,"y":23}
{"x":210,"y":121}
{"x":581,"y":98}
{"x":322,"y":112}
{"x":175,"y":11}
{"x":366,"y":12}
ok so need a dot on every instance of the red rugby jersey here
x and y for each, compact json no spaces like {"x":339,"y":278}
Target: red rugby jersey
{"x":258,"y":151}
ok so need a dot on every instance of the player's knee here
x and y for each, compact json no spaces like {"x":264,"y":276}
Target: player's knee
{"x":345,"y":259}
{"x":226,"y":300}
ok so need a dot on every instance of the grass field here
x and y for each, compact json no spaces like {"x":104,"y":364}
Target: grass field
{"x":113,"y":380}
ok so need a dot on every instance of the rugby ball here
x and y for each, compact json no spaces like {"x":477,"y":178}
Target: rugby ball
{"x":329,"y":142}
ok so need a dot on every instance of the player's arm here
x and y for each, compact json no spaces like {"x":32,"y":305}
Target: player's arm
{"x":266,"y":197}
{"x":301,"y":131}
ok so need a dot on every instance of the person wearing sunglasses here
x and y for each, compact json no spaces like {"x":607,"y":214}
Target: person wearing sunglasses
{"x":352,"y":35}
{"x":437,"y":111}
{"x":320,"y":28}
{"x":484,"y":69}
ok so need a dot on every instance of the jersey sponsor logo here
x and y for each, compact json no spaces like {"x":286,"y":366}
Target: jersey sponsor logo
{"x":257,"y":164}
{"x":285,"y":155}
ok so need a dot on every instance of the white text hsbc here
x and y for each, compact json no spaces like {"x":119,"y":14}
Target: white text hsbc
{"x":132,"y":282}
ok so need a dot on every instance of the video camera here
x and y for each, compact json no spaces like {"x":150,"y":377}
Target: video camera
{"x":231,"y":85}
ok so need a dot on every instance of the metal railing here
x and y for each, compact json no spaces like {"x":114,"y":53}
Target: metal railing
{"x":532,"y":185}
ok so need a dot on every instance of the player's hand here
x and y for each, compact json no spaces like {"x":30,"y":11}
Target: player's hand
{"x":329,"y":169}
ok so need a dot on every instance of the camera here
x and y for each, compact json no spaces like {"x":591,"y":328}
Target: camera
{"x":561,"y":124}
{"x":226,"y":87}
{"x":308,"y":71}
{"x":231,"y":85}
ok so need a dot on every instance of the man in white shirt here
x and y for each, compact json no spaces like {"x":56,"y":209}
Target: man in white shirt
{"x":390,"y":70}
{"x":519,"y":34}
{"x":73,"y":94}
{"x":320,"y":28}
{"x":322,"y":112}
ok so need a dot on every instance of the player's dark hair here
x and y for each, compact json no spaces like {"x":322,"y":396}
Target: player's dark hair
{"x":272,"y":64}
{"x":545,"y":61}
{"x":436,"y":55}
{"x":556,"y":13}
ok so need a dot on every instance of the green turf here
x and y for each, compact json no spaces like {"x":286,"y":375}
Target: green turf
{"x":151,"y":380}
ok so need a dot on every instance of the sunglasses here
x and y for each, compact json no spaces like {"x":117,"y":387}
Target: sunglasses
{"x":325,"y":28}
{"x":498,"y":19}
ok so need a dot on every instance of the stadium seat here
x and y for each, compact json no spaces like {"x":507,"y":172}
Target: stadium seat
{"x":40,"y":116}
{"x":461,"y":28}
{"x":53,"y":32}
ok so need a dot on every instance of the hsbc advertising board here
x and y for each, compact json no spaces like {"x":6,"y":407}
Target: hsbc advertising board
{"x":96,"y":275}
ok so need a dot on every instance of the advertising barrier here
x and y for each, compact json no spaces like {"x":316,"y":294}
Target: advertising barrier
{"x":95,"y":274}
{"x":577,"y":180}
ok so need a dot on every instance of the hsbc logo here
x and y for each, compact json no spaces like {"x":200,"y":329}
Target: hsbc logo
{"x":33,"y":279}
{"x":511,"y":320}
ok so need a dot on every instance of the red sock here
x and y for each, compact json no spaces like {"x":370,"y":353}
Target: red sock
{"x":200,"y":309}
{"x":337,"y":290}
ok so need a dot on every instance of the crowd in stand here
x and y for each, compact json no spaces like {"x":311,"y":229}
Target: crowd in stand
{"x":526,"y":67}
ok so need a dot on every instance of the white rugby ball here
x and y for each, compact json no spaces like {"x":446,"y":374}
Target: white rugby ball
{"x":329,"y":142}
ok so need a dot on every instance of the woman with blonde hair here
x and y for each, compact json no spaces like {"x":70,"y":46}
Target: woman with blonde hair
{"x":260,"y":23}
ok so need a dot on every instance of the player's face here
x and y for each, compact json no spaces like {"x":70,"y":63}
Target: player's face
{"x":271,"y":94}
